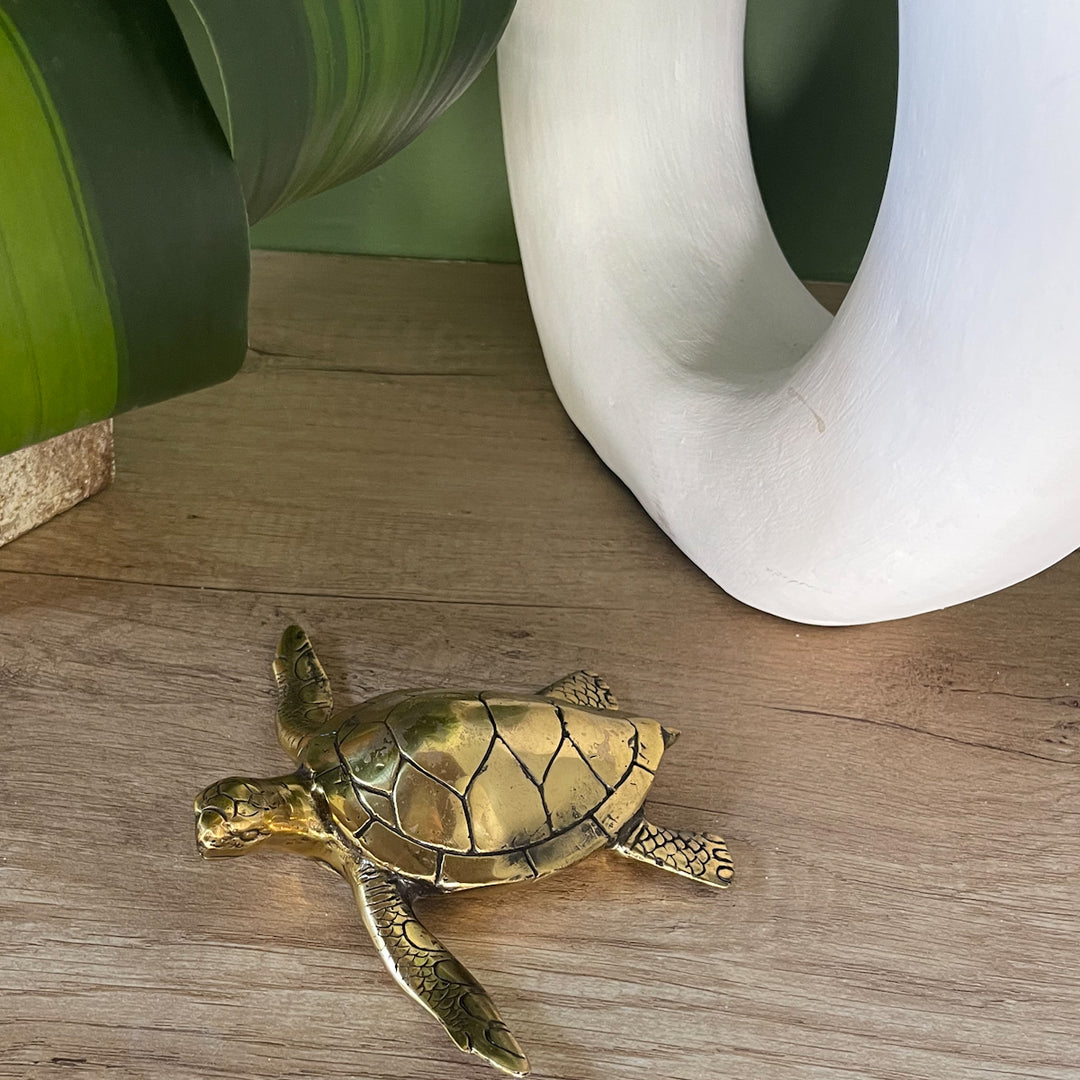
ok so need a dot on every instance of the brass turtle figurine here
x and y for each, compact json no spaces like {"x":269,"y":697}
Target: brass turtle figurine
{"x":418,"y":792}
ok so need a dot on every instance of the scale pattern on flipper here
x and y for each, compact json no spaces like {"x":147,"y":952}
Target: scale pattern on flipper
{"x":582,"y":688}
{"x":434,"y":976}
{"x":700,"y":856}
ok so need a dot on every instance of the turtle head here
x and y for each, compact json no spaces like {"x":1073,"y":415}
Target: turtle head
{"x":238,"y":814}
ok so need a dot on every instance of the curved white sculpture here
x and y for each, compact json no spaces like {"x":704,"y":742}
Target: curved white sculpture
{"x":919,"y":450}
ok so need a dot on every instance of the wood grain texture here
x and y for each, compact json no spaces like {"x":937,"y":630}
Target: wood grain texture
{"x":40,"y":481}
{"x":902,"y":801}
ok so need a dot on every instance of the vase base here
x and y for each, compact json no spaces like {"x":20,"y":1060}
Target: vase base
{"x":39,"y":482}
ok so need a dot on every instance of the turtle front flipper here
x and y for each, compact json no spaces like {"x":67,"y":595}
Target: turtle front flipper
{"x":305,"y":703}
{"x":430,"y":974}
{"x":700,"y":856}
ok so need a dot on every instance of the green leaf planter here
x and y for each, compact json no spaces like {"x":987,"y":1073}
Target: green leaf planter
{"x":123,"y":239}
{"x":124,"y":199}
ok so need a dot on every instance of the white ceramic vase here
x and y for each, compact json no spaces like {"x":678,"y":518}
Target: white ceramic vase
{"x":918,"y":450}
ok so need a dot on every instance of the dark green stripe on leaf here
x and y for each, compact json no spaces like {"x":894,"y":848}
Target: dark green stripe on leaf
{"x":159,"y":185}
{"x":260,"y":52}
{"x":317,"y":92}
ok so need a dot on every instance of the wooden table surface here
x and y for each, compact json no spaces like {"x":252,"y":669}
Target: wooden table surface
{"x":394,"y":471}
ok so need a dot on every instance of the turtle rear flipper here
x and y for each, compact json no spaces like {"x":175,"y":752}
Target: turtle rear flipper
{"x":700,"y":856}
{"x":305,"y":703}
{"x":431,"y":975}
{"x":582,"y":688}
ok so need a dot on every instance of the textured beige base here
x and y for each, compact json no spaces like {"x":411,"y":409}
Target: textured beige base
{"x":41,"y":481}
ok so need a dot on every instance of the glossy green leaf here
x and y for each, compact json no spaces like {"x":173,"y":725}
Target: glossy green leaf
{"x":123,"y":227}
{"x":123,"y":239}
{"x":58,"y":350}
{"x":315,"y":92}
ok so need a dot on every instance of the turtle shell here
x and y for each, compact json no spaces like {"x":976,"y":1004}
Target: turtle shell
{"x":464,"y":788}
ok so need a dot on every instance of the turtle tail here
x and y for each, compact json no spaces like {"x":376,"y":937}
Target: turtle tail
{"x":305,"y":703}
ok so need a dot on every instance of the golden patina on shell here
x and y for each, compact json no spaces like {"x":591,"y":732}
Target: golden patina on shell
{"x":465,"y":788}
